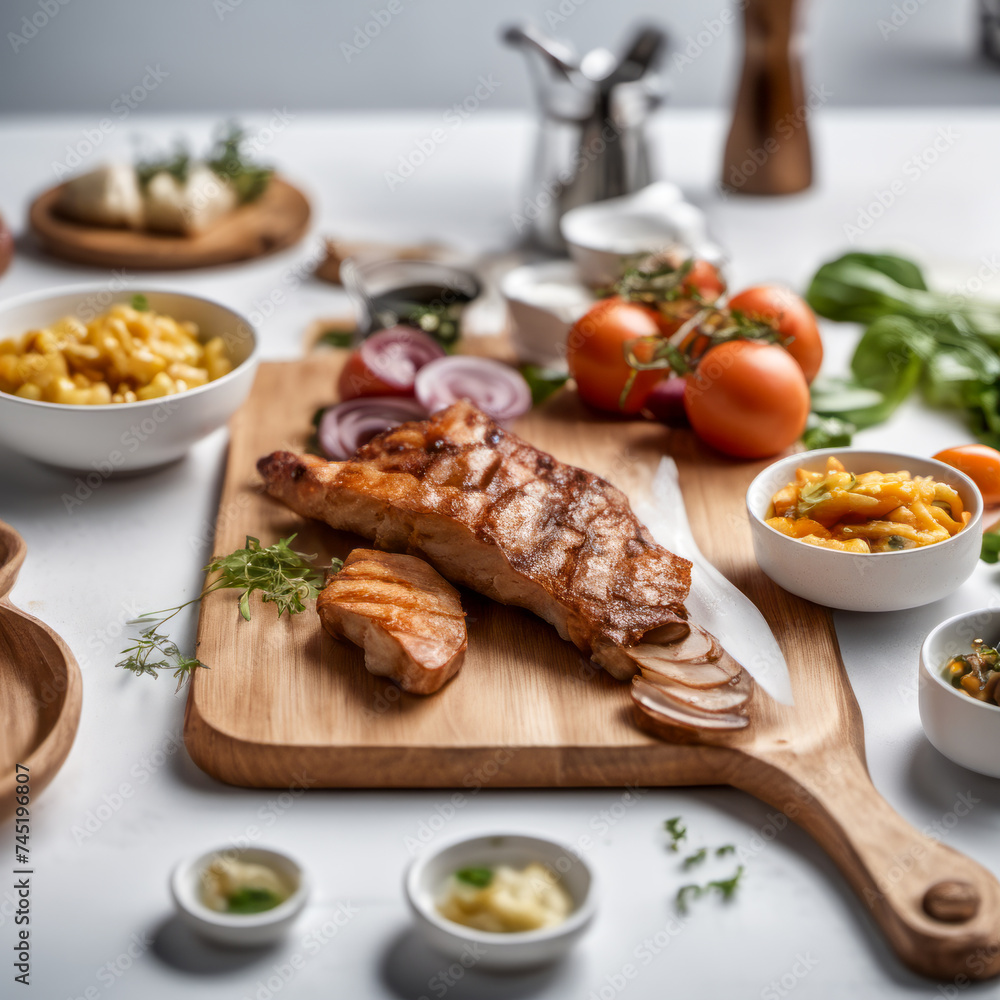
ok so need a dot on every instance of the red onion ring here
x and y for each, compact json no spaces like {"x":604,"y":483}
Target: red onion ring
{"x":498,"y":390}
{"x":347,"y":426}
{"x":396,"y":355}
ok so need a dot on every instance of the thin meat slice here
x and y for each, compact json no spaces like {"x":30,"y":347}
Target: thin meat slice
{"x":493,"y":513}
{"x":408,"y":620}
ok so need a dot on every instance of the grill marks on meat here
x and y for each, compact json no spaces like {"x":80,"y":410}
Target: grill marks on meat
{"x":494,"y":513}
{"x":408,"y":620}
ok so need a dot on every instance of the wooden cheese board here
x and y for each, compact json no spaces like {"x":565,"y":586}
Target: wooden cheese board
{"x":277,"y":219}
{"x":285,"y":705}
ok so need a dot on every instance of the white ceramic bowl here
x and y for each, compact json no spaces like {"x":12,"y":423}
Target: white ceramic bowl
{"x":430,"y":871}
{"x":855,"y":581}
{"x":238,"y":930}
{"x":544,"y":301}
{"x":125,"y":437}
{"x":606,"y":237}
{"x":965,"y":730}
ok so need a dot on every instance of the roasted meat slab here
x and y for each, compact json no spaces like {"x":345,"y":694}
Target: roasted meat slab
{"x":493,"y":513}
{"x":405,"y":616}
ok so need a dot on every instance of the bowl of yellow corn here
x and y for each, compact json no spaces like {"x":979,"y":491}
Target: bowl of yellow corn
{"x":106,"y":381}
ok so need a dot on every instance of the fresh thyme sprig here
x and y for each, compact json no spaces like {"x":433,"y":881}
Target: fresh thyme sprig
{"x":726,"y":887}
{"x":279,"y":573}
{"x":676,"y":831}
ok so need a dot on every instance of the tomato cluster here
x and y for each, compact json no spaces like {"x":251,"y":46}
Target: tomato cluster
{"x":746,"y":366}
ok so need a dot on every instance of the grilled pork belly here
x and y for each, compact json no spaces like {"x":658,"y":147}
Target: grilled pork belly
{"x":497,"y":515}
{"x":408,"y":620}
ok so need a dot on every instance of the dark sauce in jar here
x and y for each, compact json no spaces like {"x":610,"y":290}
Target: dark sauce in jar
{"x":434,"y":308}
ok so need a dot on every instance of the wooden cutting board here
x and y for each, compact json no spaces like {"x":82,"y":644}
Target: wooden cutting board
{"x":285,"y":705}
{"x":277,"y":219}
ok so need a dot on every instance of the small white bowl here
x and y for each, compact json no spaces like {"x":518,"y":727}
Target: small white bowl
{"x":965,"y":730}
{"x":606,"y":237}
{"x":855,"y":581}
{"x":522,"y":950}
{"x":238,"y":930}
{"x":124,"y":437}
{"x":544,"y":301}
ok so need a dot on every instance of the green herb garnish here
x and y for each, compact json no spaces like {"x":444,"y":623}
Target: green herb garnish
{"x":543,"y":382}
{"x":336,"y":338}
{"x":177,"y":165}
{"x":990,"y":551}
{"x":695,"y":859}
{"x":478,"y":877}
{"x":277,"y":572}
{"x":438,"y":320}
{"x":249,"y":900}
{"x":729,"y":885}
{"x":725,"y":887}
{"x":228,"y":161}
{"x":676,"y":831}
{"x":721,"y":852}
{"x":140,"y":303}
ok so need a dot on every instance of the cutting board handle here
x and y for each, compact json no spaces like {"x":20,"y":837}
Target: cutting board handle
{"x":939,"y":909}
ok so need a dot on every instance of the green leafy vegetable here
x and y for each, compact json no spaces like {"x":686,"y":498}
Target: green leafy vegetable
{"x":277,"y":572}
{"x":676,"y":831}
{"x":827,"y":432}
{"x":543,"y":382}
{"x":177,"y":165}
{"x":948,"y":345}
{"x":695,"y":859}
{"x":686,"y":892}
{"x":721,"y":852}
{"x":140,"y":303}
{"x":478,"y":877}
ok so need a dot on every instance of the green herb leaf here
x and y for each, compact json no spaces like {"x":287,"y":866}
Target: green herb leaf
{"x":140,"y":303}
{"x":543,"y":382}
{"x":336,"y":338}
{"x":281,"y":575}
{"x":721,"y":852}
{"x":827,"y":432}
{"x":252,"y":900}
{"x":727,"y":887}
{"x":695,"y":859}
{"x":676,"y":831}
{"x":478,"y":877}
{"x":228,"y":161}
{"x":686,"y":892}
{"x":990,"y":551}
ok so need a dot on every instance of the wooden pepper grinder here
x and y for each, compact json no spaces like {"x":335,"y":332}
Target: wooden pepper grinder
{"x":768,"y":149}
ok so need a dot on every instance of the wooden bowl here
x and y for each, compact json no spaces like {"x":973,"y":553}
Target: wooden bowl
{"x":40,"y":690}
{"x":277,"y":219}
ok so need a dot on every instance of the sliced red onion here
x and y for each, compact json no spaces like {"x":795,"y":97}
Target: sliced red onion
{"x":396,"y":355}
{"x":498,"y":390}
{"x":347,"y":426}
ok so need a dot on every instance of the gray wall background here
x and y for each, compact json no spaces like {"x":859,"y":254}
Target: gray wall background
{"x":245,"y":55}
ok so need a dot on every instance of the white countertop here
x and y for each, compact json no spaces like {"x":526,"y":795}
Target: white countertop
{"x":129,"y":802}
